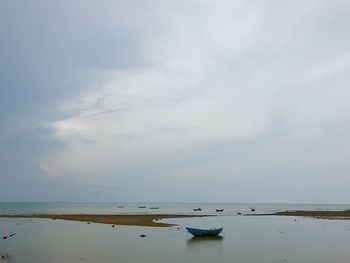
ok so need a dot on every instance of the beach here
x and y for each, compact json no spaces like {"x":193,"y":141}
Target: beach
{"x":324,"y":214}
{"x":152,"y":220}
{"x":147,"y":220}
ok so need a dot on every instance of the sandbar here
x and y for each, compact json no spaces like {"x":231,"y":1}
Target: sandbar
{"x":130,"y":220}
{"x":324,"y":214}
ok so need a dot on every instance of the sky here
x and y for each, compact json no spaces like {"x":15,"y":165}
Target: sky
{"x":175,"y":101}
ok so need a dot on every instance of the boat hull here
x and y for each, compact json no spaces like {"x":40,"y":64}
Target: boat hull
{"x":204,"y":232}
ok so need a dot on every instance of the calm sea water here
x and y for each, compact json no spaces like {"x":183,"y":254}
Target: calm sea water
{"x":245,"y":239}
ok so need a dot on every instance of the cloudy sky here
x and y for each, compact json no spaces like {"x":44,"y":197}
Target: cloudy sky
{"x":196,"y":100}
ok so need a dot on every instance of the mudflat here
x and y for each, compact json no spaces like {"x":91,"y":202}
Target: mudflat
{"x":130,"y":220}
{"x":325,"y":214}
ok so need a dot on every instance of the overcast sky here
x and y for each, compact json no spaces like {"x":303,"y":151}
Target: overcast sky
{"x":196,"y":100}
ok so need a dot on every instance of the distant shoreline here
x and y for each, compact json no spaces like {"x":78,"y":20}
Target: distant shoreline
{"x":129,"y":220}
{"x":323,"y":214}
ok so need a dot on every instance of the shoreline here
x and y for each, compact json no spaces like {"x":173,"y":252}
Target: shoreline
{"x":146,"y":220}
{"x":321,"y":214}
{"x":151,"y":220}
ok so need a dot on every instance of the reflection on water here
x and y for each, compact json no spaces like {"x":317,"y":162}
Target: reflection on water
{"x":205,"y":249}
{"x":211,"y":239}
{"x":4,"y":258}
{"x":245,"y":239}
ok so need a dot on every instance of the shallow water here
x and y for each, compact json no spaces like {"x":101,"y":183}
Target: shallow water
{"x":245,"y":239}
{"x":173,"y":208}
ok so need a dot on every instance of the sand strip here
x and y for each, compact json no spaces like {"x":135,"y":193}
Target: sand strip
{"x":325,"y":214}
{"x":130,"y":220}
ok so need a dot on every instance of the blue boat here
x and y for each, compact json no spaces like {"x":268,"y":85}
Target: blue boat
{"x":204,"y":232}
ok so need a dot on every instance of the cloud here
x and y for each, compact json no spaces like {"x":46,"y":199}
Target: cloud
{"x":235,"y":91}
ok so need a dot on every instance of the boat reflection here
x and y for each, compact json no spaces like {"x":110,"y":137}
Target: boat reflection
{"x":196,"y":247}
{"x":5,"y":258}
{"x":205,"y":239}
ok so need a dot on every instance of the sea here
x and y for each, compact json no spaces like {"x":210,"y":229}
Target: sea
{"x":245,"y":239}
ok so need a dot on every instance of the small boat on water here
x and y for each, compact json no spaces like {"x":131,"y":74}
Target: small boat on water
{"x":120,"y":206}
{"x":204,"y":232}
{"x":252,"y":209}
{"x":154,"y":207}
{"x":219,"y":210}
{"x":197,"y":209}
{"x":141,"y":207}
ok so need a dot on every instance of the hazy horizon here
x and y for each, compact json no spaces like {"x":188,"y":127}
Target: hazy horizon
{"x":170,"y":202}
{"x":186,"y":101}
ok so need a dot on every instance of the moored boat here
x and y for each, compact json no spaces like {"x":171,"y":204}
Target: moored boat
{"x":204,"y":232}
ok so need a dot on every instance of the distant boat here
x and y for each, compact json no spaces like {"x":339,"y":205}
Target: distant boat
{"x":204,"y":232}
{"x":157,"y":207}
{"x":219,"y":210}
{"x":120,"y":206}
{"x":197,"y":209}
{"x":252,"y":209}
{"x":141,"y":207}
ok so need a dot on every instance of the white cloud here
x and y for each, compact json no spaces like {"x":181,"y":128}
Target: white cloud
{"x":227,"y":71}
{"x":160,"y":112}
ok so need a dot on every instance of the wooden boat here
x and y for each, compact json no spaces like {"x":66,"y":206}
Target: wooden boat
{"x":197,"y":209}
{"x":154,"y":207}
{"x":219,"y":210}
{"x":141,"y":207}
{"x":120,"y":206}
{"x":204,"y":232}
{"x":252,"y":209}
